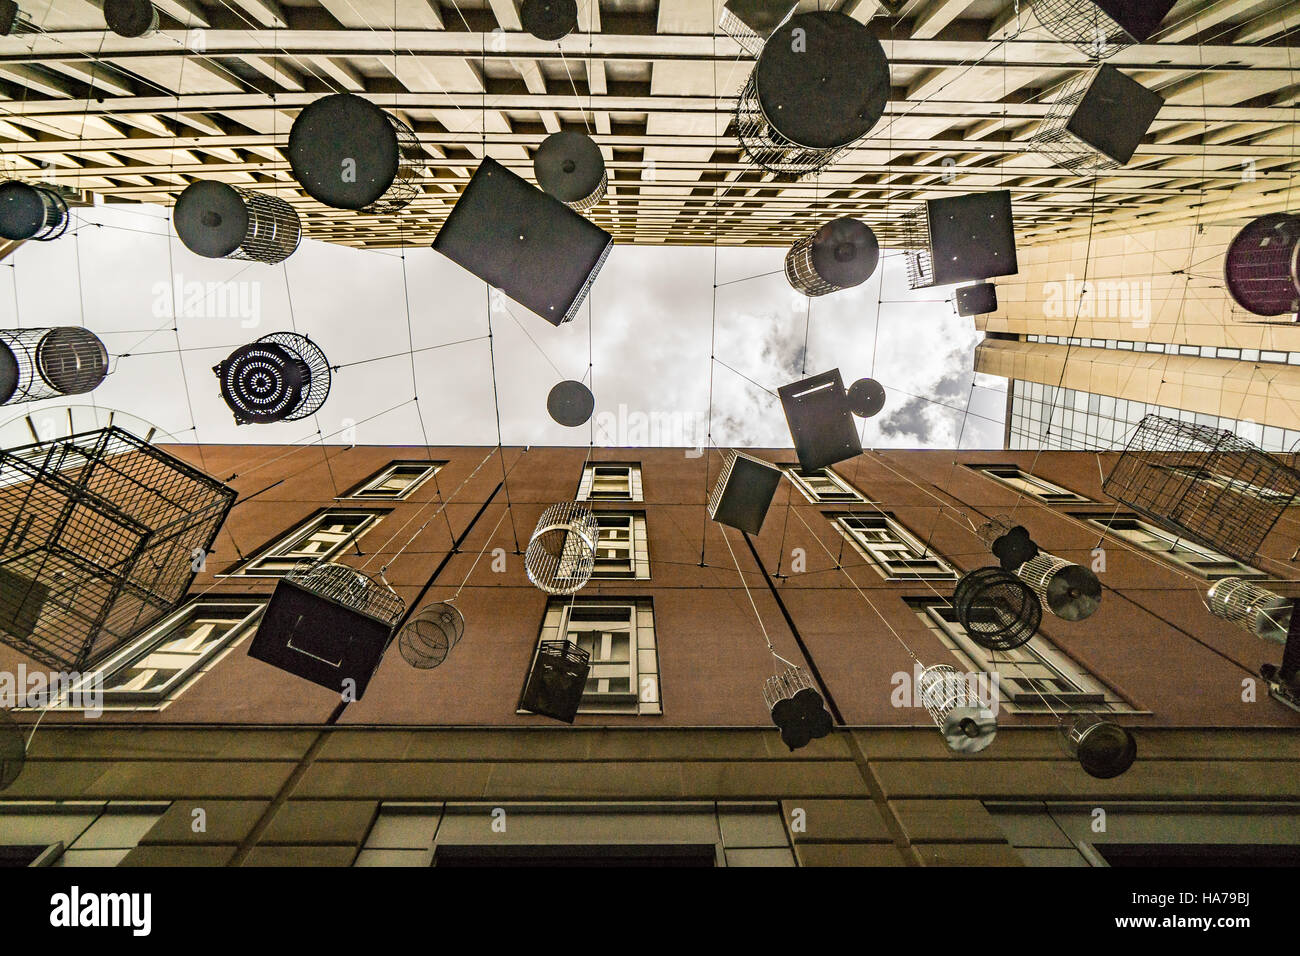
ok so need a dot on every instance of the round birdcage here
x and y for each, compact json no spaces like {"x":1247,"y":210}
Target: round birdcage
{"x":1103,"y":749}
{"x":13,"y":750}
{"x":561,"y":554}
{"x":131,"y":18}
{"x":1083,"y":25}
{"x":47,"y":363}
{"x":1011,"y":545}
{"x":549,"y":19}
{"x":967,"y":725}
{"x":997,"y":609}
{"x":349,"y":587}
{"x":1262,"y":265}
{"x":866,"y":397}
{"x":283,"y":376}
{"x":821,"y":83}
{"x":1251,"y":607}
{"x":220,"y":221}
{"x":568,"y":165}
{"x":1070,"y":591}
{"x":348,"y":153}
{"x":428,"y":637}
{"x":797,"y":707}
{"x":29,"y":211}
{"x":841,"y":254}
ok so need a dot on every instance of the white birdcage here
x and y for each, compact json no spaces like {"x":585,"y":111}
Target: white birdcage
{"x":561,"y":554}
{"x":1251,"y":607}
{"x":967,"y":725}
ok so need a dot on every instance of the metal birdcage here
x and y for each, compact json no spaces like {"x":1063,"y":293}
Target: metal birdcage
{"x":14,"y":22}
{"x":103,"y":535}
{"x":751,"y":22}
{"x":31,"y":211}
{"x":557,"y":681}
{"x":46,"y":363}
{"x":561,"y":554}
{"x":283,"y":376}
{"x":1083,"y":25}
{"x":220,"y":221}
{"x":1070,"y":591}
{"x":797,"y":707}
{"x":997,"y":610}
{"x":428,"y":637}
{"x":840,"y":255}
{"x":569,"y":166}
{"x":915,"y":232}
{"x":1058,"y":143}
{"x":1104,"y":749}
{"x":350,"y":588}
{"x":1252,"y":608}
{"x":131,"y":18}
{"x":1208,"y":484}
{"x":967,"y":725}
{"x":743,"y":491}
{"x":1262,"y":266}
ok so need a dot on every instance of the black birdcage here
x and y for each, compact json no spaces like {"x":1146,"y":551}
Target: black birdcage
{"x":220,"y":221}
{"x":751,"y":22}
{"x":1103,"y":748}
{"x":14,"y":22}
{"x":281,"y":377}
{"x":103,"y":534}
{"x":1101,"y":28}
{"x":47,"y":363}
{"x":557,"y":681}
{"x":1262,"y":266}
{"x":428,"y":637}
{"x":955,"y":239}
{"x":569,"y":166}
{"x":31,"y":211}
{"x":1097,"y":121}
{"x":797,"y":707}
{"x":1203,"y":483}
{"x":549,"y":19}
{"x":997,"y":609}
{"x":840,"y":255}
{"x":131,"y":18}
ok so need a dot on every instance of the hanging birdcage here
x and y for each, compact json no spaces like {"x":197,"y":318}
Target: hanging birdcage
{"x":841,"y":254}
{"x":997,"y":610}
{"x":101,"y":531}
{"x":557,"y":681}
{"x":797,"y":707}
{"x":568,"y":165}
{"x":1206,"y":483}
{"x":914,"y":229}
{"x":281,"y":377}
{"x":428,"y":637}
{"x":31,"y":211}
{"x":220,"y":221}
{"x":751,"y":22}
{"x":1262,"y":266}
{"x":1070,"y":591}
{"x":45,"y":363}
{"x":967,"y":725}
{"x":743,"y":492}
{"x":966,"y":238}
{"x":1083,"y":25}
{"x":1097,"y":121}
{"x":561,"y":554}
{"x":14,"y":22}
{"x":1104,"y":749}
{"x":1058,"y":143}
{"x":1252,"y":608}
{"x":131,"y":18}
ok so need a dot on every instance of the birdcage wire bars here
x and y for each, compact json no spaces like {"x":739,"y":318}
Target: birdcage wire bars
{"x":767,"y":148}
{"x":997,"y":610}
{"x":967,"y":725}
{"x":561,"y":553}
{"x":914,"y":230}
{"x":1083,"y":25}
{"x":428,"y":637}
{"x":274,"y":229}
{"x":1054,"y":139}
{"x":350,"y":588}
{"x":47,"y":363}
{"x":1252,"y":608}
{"x":412,"y":162}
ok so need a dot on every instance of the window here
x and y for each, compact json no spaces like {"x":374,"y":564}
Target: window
{"x":823,"y":485}
{"x":1209,"y":564}
{"x":1026,"y":674}
{"x":620,"y":637}
{"x":1029,"y":484}
{"x":1228,"y":482}
{"x":605,"y":482}
{"x":892,"y":550}
{"x":396,"y":481}
{"x":73,"y":833}
{"x":319,"y":539}
{"x":622,"y":551}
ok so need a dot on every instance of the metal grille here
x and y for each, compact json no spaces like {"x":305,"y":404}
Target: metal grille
{"x":720,"y":487}
{"x":310,"y":353}
{"x":102,"y":533}
{"x":1083,"y":25}
{"x":1204,"y":483}
{"x":589,"y":201}
{"x":274,"y":229}
{"x":51,"y":362}
{"x":998,"y":610}
{"x":915,"y":229}
{"x":1061,"y":146}
{"x":572,"y":313}
{"x":801,"y":273}
{"x":767,"y":148}
{"x":411,"y":163}
{"x":1251,"y":607}
{"x":54,"y":211}
{"x":561,"y":554}
{"x":1070,"y":591}
{"x":349,"y":588}
{"x":1260,"y":267}
{"x":428,"y":637}
{"x":1104,"y":749}
{"x":740,"y":31}
{"x":967,"y":725}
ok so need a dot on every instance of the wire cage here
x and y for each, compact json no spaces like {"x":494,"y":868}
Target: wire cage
{"x":14,"y":22}
{"x":569,"y":166}
{"x":1058,"y":143}
{"x":998,"y":610}
{"x":13,"y":750}
{"x":221,"y":221}
{"x":349,"y":587}
{"x":1262,"y":265}
{"x":1252,"y":608}
{"x":101,"y":532}
{"x":31,"y":211}
{"x":1083,"y":25}
{"x":1103,"y":749}
{"x":557,"y":681}
{"x":428,"y":637}
{"x":561,"y":554}
{"x":131,"y":18}
{"x":743,"y":491}
{"x":1070,"y":591}
{"x":46,"y":363}
{"x":281,"y":377}
{"x":967,"y":725}
{"x":751,"y":22}
{"x":841,"y":254}
{"x":914,"y":230}
{"x":1208,"y":484}
{"x":797,"y":707}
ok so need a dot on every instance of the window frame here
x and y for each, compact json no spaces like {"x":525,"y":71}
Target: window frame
{"x":905,"y":539}
{"x":638,"y":546}
{"x":300,"y":533}
{"x":1177,"y":543}
{"x":1050,"y":493}
{"x":429,"y":469}
{"x":588,"y":480}
{"x":801,"y":481}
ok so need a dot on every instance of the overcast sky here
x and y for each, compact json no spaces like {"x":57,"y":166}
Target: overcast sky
{"x":120,"y":268}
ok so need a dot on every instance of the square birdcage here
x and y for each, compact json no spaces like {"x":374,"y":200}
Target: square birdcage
{"x":102,"y":535}
{"x":1203,"y":483}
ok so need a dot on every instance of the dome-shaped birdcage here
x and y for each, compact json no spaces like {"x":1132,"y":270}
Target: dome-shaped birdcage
{"x":1252,"y":608}
{"x":47,"y":363}
{"x":1262,"y":265}
{"x":348,"y":153}
{"x":1083,"y":25}
{"x":283,"y":376}
{"x":131,"y":18}
{"x":569,"y":166}
{"x":1070,"y":591}
{"x":549,"y":19}
{"x":841,"y":254}
{"x":797,"y":707}
{"x":1103,"y":749}
{"x":997,"y":609}
{"x":967,"y":725}
{"x":350,"y":588}
{"x":13,"y":750}
{"x":30,"y":211}
{"x":220,"y":221}
{"x":428,"y":637}
{"x":561,"y":554}
{"x":812,"y":94}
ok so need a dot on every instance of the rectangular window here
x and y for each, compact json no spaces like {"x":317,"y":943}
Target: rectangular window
{"x":1236,"y":485}
{"x":620,"y":637}
{"x":1032,"y":485}
{"x":606,"y":482}
{"x":397,"y":481}
{"x":622,"y":551}
{"x":892,"y":550}
{"x":1208,"y":563}
{"x":318,"y":539}
{"x":822,"y":485}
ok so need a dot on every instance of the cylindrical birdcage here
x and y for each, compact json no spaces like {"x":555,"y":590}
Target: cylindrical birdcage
{"x":283,"y":376}
{"x":1054,"y":139}
{"x":29,"y":211}
{"x":1251,"y":607}
{"x":967,"y":725}
{"x":348,"y":153}
{"x":561,"y":554}
{"x":549,"y":19}
{"x":840,"y":255}
{"x":914,"y":230}
{"x":47,"y":363}
{"x":428,"y":637}
{"x":14,"y":22}
{"x":997,"y":610}
{"x":820,"y":84}
{"x":1070,"y":591}
{"x":1083,"y":25}
{"x":797,"y":707}
{"x":350,"y":588}
{"x":131,"y":18}
{"x":1103,"y":749}
{"x":1262,"y":265}
{"x":568,"y":165}
{"x":220,"y":221}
